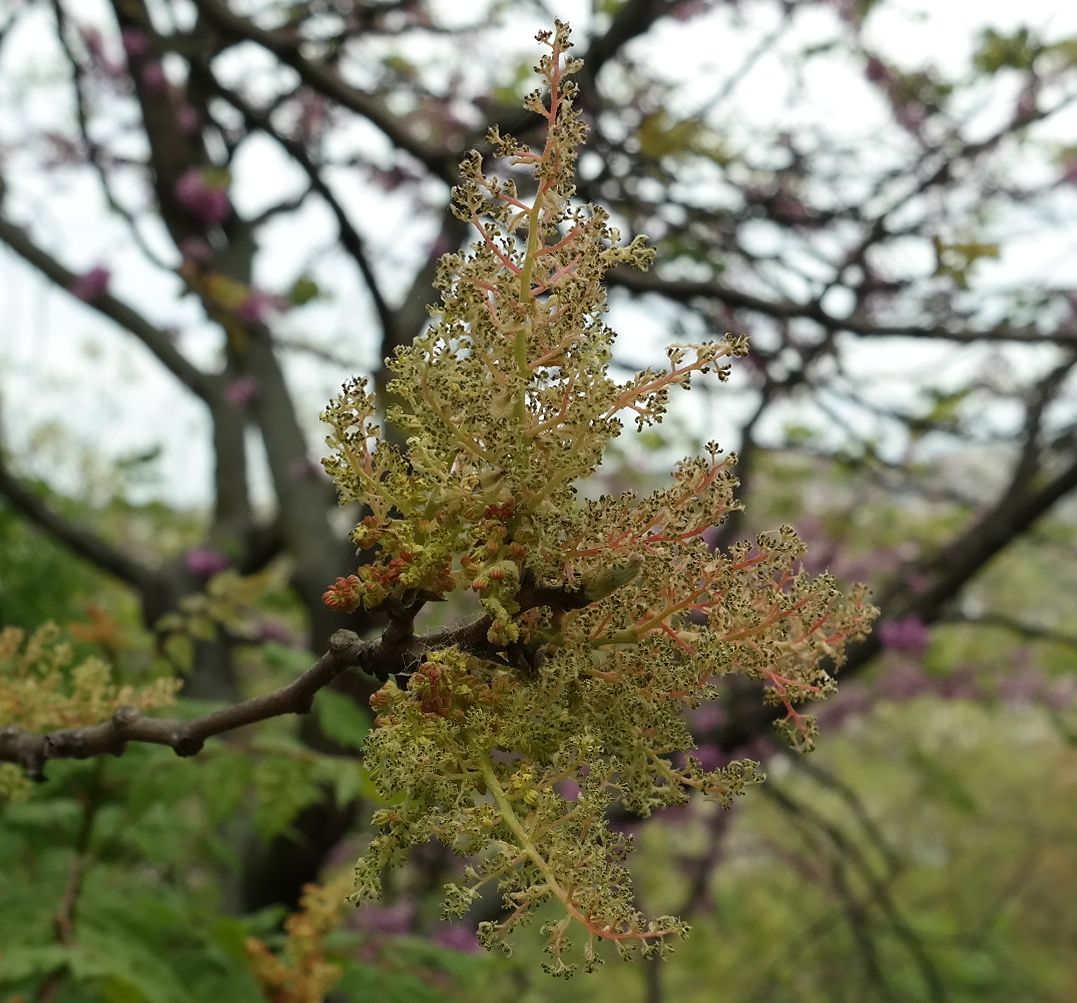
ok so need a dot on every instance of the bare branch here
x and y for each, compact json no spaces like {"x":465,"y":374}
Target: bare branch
{"x":185,"y":738}
{"x":397,"y":651}
{"x":682,"y":290}
{"x":327,"y":81}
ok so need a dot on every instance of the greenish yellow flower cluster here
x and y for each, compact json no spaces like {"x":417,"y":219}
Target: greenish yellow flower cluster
{"x":605,"y":620}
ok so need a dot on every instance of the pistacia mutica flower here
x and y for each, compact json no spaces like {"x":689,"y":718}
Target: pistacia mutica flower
{"x":605,"y":621}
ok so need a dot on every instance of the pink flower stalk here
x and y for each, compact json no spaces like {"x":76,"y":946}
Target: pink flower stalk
{"x":205,"y":562}
{"x":207,"y":202}
{"x":92,"y":285}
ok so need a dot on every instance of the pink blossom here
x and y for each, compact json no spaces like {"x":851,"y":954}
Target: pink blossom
{"x":207,"y":202}
{"x":204,"y":562}
{"x":242,"y":391}
{"x":91,"y":285}
{"x":909,"y":635}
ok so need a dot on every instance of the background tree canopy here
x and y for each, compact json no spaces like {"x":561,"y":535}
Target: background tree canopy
{"x":215,"y":212}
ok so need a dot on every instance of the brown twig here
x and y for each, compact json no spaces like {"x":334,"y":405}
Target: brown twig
{"x":398,"y":650}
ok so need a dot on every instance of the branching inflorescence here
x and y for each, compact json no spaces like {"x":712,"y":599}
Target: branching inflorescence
{"x":604,"y":621}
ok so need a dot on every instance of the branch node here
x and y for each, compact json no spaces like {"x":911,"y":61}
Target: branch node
{"x":124,"y":717}
{"x":185,"y":744}
{"x":342,"y":640}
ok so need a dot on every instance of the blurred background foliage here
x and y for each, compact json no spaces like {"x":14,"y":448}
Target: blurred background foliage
{"x":888,"y":215}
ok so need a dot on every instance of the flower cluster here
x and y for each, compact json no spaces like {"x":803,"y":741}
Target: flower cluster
{"x":44,"y":687}
{"x":599,"y":624}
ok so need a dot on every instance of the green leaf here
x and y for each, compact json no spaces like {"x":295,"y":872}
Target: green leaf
{"x":25,"y":962}
{"x":341,"y":719}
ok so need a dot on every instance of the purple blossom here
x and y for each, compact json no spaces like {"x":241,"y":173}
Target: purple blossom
{"x":153,"y":76}
{"x":242,"y":391}
{"x":706,"y":718}
{"x":393,"y":920}
{"x":91,"y":285}
{"x":909,"y":635}
{"x":313,"y":116}
{"x":207,"y":202}
{"x":876,"y":70}
{"x":902,"y":682}
{"x":709,"y":756}
{"x":688,"y":9}
{"x":457,"y":937}
{"x":1027,"y":104}
{"x":187,"y":118}
{"x":204,"y":562}
{"x":304,"y":469}
{"x":135,"y":43}
{"x":852,"y":701}
{"x":256,"y":307}
{"x":100,"y":62}
{"x":197,"y":250}
{"x":569,"y":790}
{"x":277,"y":633}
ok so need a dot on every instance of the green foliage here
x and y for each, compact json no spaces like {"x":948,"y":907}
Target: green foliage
{"x":605,"y":620}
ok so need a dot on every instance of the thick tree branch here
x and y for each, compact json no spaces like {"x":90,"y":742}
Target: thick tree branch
{"x":157,"y":341}
{"x":79,"y":540}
